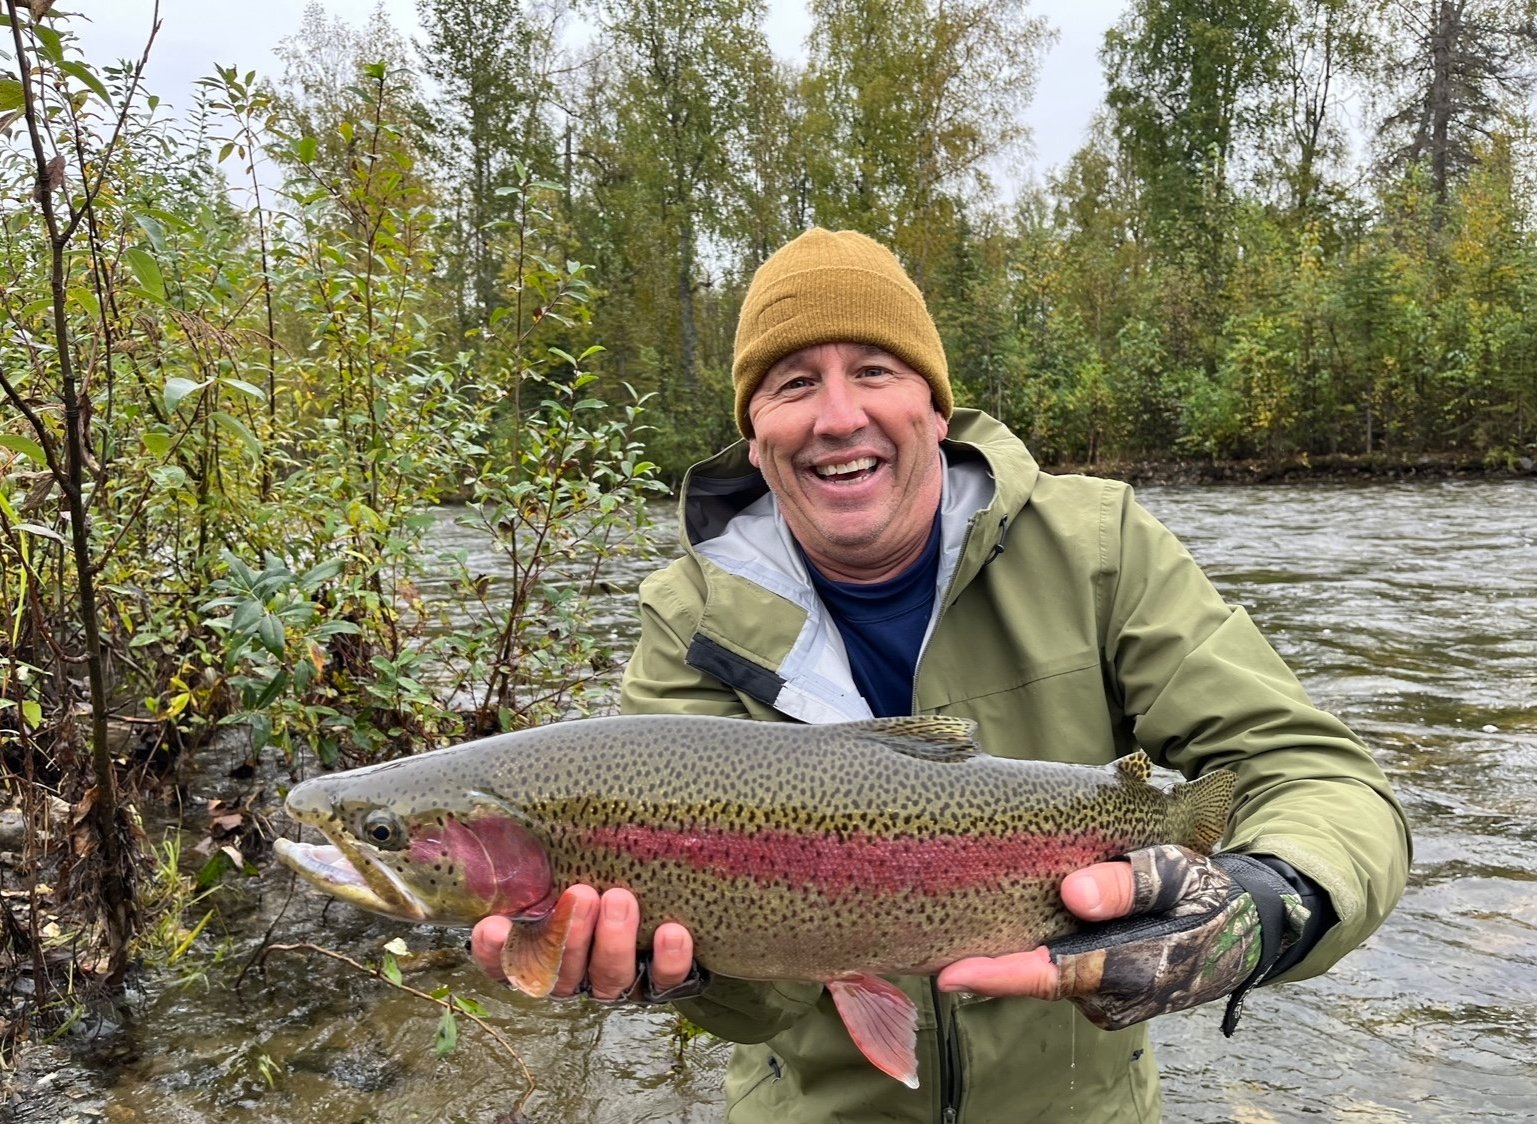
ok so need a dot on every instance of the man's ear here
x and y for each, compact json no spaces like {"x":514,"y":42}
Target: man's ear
{"x":752,"y":452}
{"x":942,"y":424}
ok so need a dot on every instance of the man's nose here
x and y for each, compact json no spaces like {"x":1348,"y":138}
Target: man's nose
{"x":839,"y":411}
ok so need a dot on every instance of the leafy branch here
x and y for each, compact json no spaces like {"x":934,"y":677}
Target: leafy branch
{"x":447,"y":1036}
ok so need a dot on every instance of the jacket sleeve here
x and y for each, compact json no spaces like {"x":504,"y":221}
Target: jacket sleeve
{"x":1205,"y":691}
{"x":659,"y":680}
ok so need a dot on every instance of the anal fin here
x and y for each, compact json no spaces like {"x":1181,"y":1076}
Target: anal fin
{"x":533,"y":949}
{"x":883,"y":1023}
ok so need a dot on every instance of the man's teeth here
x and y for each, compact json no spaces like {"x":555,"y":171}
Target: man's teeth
{"x":826,"y":470}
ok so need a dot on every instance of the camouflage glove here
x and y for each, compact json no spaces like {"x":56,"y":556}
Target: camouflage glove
{"x":1200,"y":928}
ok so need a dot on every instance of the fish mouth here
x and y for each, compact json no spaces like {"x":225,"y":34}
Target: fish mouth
{"x":347,"y":872}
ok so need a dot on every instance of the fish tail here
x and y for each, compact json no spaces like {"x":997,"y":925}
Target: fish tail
{"x":1199,"y":810}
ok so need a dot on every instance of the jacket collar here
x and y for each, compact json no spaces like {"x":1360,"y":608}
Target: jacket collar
{"x":792,"y":657}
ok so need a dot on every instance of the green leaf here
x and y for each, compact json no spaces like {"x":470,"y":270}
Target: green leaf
{"x":447,"y":1037}
{"x":177,"y":388}
{"x":170,"y":476}
{"x":31,"y":713}
{"x":306,"y":148}
{"x":218,"y":865}
{"x":271,"y":633}
{"x":247,"y":614}
{"x":272,"y":690}
{"x":88,"y":76}
{"x":246,"y":388}
{"x":44,"y":532}
{"x":52,"y":42}
{"x":317,"y":575}
{"x":153,"y":230}
{"x":25,"y":446}
{"x":238,"y":428}
{"x":239,"y":569}
{"x":10,"y":94}
{"x":471,"y":1007}
{"x":391,"y":970}
{"x":159,"y":444}
{"x":147,"y":270}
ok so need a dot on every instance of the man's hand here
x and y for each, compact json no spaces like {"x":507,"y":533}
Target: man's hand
{"x":1175,"y":929}
{"x":1101,"y":892}
{"x":600,"y":948}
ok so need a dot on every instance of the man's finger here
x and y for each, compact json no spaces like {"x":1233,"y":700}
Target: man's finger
{"x":672,"y":956}
{"x":611,"y":968}
{"x":579,"y":940}
{"x":1020,"y":973}
{"x":1100,"y":892}
{"x":486,"y":945}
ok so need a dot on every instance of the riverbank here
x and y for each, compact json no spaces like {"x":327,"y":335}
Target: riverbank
{"x":1335,"y":467}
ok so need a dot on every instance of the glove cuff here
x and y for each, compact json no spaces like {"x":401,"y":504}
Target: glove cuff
{"x":1282,"y":920}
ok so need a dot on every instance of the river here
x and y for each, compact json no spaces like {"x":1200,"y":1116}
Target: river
{"x":1408,"y":609}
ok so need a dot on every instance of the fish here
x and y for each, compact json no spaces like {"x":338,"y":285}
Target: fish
{"x":840,"y":853}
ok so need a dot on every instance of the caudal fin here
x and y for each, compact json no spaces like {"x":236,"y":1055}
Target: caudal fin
{"x":1200,"y":810}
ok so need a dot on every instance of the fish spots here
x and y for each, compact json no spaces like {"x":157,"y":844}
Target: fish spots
{"x":843,"y":864}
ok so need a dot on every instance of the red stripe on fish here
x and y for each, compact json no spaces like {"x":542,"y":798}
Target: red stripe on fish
{"x":841,"y":866}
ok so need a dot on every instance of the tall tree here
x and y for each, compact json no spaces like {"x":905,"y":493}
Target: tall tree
{"x":1453,"y":69}
{"x":1327,"y":49}
{"x":907,"y":102}
{"x":1188,"y":82}
{"x":492,"y":62}
{"x":664,"y":142}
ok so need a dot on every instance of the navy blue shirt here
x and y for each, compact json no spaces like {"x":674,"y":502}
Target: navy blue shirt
{"x":882,"y":625}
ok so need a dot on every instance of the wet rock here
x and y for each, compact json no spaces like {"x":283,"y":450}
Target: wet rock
{"x":13,"y":830}
{"x":364,"y":1068}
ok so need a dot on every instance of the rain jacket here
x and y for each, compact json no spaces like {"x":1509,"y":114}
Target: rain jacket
{"x":1071,"y":626}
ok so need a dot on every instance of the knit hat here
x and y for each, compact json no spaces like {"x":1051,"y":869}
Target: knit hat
{"x":834,"y":287}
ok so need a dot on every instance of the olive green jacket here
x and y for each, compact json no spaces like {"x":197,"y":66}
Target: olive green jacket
{"x":1069,"y":625}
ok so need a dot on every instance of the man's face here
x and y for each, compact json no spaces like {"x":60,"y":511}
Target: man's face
{"x":847,"y":436}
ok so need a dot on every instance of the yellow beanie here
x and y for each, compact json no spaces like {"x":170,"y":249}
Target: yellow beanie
{"x":834,"y":287}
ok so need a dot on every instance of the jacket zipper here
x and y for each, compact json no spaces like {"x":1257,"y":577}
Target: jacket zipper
{"x":949,"y":1060}
{"x":950,"y":1075}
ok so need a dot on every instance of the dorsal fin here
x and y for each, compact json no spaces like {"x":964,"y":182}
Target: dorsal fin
{"x":928,"y":737}
{"x":1135,"y":766}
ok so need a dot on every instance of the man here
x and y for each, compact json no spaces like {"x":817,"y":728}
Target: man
{"x":871,"y":550}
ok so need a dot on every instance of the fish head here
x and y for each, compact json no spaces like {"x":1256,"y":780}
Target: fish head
{"x":439,"y":861}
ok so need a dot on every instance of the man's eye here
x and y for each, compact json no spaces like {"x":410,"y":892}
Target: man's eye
{"x":874,"y":372}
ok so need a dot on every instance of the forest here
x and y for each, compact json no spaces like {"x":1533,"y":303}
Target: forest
{"x":252,"y":345}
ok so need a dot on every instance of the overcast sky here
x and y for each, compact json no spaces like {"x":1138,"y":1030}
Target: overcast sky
{"x":196,"y":34}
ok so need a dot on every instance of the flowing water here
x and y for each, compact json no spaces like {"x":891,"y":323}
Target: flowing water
{"x":1410,"y":610}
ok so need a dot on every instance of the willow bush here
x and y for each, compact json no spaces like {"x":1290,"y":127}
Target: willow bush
{"x":231,"y":419}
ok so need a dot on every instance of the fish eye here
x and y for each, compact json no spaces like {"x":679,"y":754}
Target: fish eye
{"x":384,"y":830}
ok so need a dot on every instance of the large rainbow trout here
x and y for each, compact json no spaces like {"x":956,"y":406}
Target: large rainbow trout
{"x":837,"y":853}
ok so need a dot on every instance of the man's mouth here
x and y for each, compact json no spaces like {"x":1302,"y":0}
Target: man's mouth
{"x":857,"y":468}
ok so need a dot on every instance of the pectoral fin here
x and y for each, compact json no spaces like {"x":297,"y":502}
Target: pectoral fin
{"x":883,"y":1023}
{"x":531,"y":954}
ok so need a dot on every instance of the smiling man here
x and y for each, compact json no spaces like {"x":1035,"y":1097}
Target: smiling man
{"x":871,"y":550}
